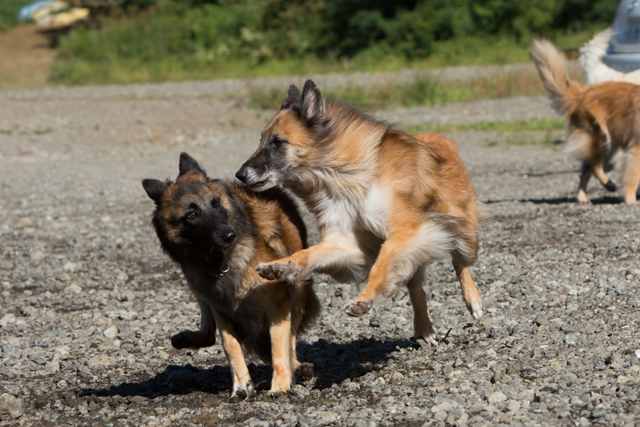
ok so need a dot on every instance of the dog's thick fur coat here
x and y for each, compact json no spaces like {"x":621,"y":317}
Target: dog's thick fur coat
{"x":217,"y":231}
{"x":603,"y":119}
{"x":387,"y":203}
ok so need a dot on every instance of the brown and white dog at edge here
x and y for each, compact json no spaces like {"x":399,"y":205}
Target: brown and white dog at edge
{"x":603,"y":120}
{"x":386,"y":203}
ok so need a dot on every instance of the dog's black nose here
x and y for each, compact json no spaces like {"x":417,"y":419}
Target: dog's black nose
{"x":242,"y":174}
{"x":229,"y":236}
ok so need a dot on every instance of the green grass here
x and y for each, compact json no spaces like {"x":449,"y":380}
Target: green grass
{"x":503,"y":128}
{"x":545,"y":132}
{"x":9,"y":12}
{"x":113,"y":68}
{"x":424,"y":90}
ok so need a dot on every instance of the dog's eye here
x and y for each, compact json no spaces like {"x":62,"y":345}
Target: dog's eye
{"x":215,"y":203}
{"x":192,"y":215}
{"x":277,"y":141}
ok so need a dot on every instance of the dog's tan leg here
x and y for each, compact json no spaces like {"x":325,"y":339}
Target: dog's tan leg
{"x":585,"y":176}
{"x":632,"y":175}
{"x":421,"y":322}
{"x":341,"y":251}
{"x":205,"y":337}
{"x":242,"y":384}
{"x":281,"y":351}
{"x":470,"y":292}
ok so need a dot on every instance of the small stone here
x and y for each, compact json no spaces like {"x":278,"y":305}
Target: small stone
{"x":73,"y":288}
{"x":10,"y":405}
{"x":6,"y":319}
{"x":638,"y":354}
{"x":326,"y":418}
{"x":299,"y":390}
{"x":139,"y":400}
{"x":70,"y":267}
{"x":542,"y":321}
{"x":446,"y":406}
{"x":111,"y":332}
{"x":374,"y":322}
{"x":397,"y":377}
{"x":36,"y":256}
{"x":497,"y":398}
{"x":53,"y":367}
{"x":100,"y":359}
{"x":24,"y":223}
{"x":513,"y":406}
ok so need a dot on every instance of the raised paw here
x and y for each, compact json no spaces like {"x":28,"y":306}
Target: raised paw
{"x":304,"y":372}
{"x":277,"y":271}
{"x":611,"y":186}
{"x":269,"y":271}
{"x":357,"y":309}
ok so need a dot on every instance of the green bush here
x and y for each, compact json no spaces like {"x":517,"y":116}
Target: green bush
{"x":9,"y":12}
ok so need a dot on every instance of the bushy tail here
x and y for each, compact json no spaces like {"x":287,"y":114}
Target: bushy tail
{"x":552,"y":68}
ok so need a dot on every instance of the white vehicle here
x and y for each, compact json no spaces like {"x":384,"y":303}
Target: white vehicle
{"x":623,"y":53}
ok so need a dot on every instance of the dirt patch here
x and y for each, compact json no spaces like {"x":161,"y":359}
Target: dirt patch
{"x":26,"y":57}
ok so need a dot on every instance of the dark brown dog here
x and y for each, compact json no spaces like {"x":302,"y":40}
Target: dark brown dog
{"x":217,"y":231}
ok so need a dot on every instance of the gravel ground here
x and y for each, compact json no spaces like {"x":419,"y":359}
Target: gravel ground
{"x":89,"y":301}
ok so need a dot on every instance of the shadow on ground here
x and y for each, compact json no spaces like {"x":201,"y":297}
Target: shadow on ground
{"x":332,"y":364}
{"x":605,"y":200}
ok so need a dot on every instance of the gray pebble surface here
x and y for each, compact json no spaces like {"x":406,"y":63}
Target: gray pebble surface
{"x":88,"y":301}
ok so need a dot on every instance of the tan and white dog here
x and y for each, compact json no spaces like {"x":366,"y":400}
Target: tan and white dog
{"x":603,"y":119}
{"x":387,"y":203}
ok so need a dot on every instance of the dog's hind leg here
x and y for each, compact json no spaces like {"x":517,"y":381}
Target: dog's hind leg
{"x":598,"y":171}
{"x":585,"y":176}
{"x":421,"y":322}
{"x":410,"y":245}
{"x":632,"y":174}
{"x":205,"y":337}
{"x":470,"y":292}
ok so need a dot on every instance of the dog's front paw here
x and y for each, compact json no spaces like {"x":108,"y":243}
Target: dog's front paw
{"x":611,"y":186}
{"x":269,"y":271}
{"x":358,"y":308}
{"x":244,"y":391}
{"x":277,"y":271}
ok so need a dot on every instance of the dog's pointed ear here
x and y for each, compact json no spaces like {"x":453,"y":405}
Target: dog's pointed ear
{"x":189,"y":165}
{"x":292,"y":98}
{"x":154,"y":188}
{"x":312,"y":105}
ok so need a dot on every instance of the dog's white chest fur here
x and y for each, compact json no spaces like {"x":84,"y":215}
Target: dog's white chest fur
{"x":375,"y":213}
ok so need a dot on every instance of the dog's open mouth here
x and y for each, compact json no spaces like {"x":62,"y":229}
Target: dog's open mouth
{"x":265,"y":184}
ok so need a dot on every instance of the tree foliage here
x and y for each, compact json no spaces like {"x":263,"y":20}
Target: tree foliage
{"x":265,"y":29}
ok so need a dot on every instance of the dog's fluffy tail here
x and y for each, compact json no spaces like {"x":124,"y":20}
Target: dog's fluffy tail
{"x":552,"y":68}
